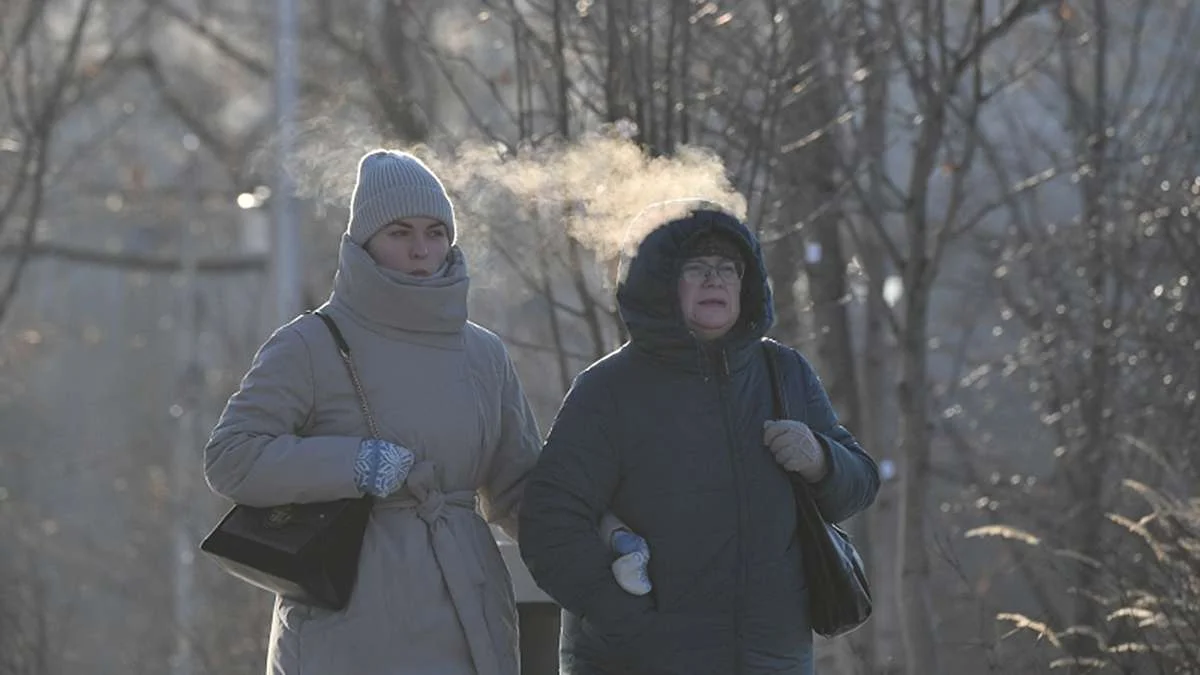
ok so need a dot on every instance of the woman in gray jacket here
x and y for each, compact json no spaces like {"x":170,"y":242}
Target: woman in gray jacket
{"x":676,"y":435}
{"x":433,"y":594}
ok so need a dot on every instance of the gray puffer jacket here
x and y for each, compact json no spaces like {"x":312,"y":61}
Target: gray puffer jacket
{"x":667,"y":432}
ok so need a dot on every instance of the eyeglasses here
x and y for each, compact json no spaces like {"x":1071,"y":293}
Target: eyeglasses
{"x":698,"y":272}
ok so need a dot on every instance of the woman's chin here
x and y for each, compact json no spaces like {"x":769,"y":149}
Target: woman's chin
{"x":716,"y":319}
{"x":710,"y":331}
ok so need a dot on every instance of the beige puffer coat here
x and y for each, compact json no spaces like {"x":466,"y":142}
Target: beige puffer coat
{"x":433,"y":594}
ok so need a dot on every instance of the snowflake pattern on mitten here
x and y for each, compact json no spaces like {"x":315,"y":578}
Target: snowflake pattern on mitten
{"x":381,"y":467}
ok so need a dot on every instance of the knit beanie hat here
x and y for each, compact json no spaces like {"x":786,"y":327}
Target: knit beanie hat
{"x":714,"y":242}
{"x":392,"y":185}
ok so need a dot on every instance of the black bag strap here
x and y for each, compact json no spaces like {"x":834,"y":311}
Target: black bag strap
{"x":778,"y":395}
{"x":840,"y":595}
{"x":336,"y":332}
{"x":344,"y":351}
{"x":772,"y":349}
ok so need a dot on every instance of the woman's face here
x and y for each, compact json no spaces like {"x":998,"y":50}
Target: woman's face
{"x":710,"y":295}
{"x":415,"y":246}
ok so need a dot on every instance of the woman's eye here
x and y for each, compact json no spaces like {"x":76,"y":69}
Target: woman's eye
{"x":438,"y":233}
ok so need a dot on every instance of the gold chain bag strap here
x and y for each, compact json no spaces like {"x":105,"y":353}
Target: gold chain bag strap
{"x":344,"y":352}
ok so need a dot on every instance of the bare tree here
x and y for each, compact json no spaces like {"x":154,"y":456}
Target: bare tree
{"x":1094,"y":276}
{"x":574,"y":71}
{"x":941,"y":50}
{"x":41,"y":77}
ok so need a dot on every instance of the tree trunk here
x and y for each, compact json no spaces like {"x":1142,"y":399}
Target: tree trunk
{"x":813,"y":200}
{"x":874,"y":530}
{"x":784,"y":261}
{"x":875,"y":379}
{"x":916,"y":620}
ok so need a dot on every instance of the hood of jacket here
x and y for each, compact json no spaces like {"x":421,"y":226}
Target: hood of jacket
{"x":648,"y":295}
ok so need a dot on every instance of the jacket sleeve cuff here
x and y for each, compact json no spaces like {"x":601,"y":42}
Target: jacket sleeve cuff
{"x":836,"y":494}
{"x":832,"y":470}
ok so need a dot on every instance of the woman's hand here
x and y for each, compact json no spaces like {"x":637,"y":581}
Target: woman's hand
{"x":381,"y":467}
{"x":796,"y":448}
{"x":630,"y":569}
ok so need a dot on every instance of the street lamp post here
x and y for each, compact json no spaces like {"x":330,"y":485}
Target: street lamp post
{"x":286,"y":254}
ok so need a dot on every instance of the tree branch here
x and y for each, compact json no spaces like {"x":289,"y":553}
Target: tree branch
{"x":135,"y":261}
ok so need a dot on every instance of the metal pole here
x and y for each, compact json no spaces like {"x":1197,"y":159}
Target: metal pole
{"x":286,"y":253}
{"x":185,"y":463}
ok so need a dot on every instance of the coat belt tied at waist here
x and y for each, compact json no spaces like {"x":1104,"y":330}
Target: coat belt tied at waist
{"x":461,"y":567}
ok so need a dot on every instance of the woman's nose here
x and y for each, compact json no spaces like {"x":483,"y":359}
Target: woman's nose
{"x":420,"y":248}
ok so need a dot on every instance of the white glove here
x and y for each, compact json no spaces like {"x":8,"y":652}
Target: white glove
{"x":796,"y":448}
{"x":630,"y":568}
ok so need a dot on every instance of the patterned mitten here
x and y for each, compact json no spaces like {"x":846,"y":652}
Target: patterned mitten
{"x":381,"y":467}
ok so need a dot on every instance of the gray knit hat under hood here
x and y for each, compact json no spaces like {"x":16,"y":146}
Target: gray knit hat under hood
{"x":392,"y":185}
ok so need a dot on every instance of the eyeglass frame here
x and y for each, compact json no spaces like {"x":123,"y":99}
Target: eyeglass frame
{"x":706,"y":270}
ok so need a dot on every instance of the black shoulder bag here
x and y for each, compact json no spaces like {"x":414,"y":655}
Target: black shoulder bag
{"x":303,"y":552}
{"x":839,"y":594}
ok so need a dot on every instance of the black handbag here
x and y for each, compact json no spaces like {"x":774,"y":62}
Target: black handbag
{"x":839,"y":593}
{"x":304,"y":552}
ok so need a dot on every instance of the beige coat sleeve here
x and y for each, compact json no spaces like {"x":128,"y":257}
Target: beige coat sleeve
{"x":255,"y":455}
{"x":516,"y":454}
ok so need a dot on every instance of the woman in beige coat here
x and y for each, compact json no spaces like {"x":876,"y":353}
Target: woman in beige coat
{"x":433,"y":595}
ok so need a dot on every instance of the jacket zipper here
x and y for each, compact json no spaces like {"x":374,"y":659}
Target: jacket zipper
{"x":735,"y":462}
